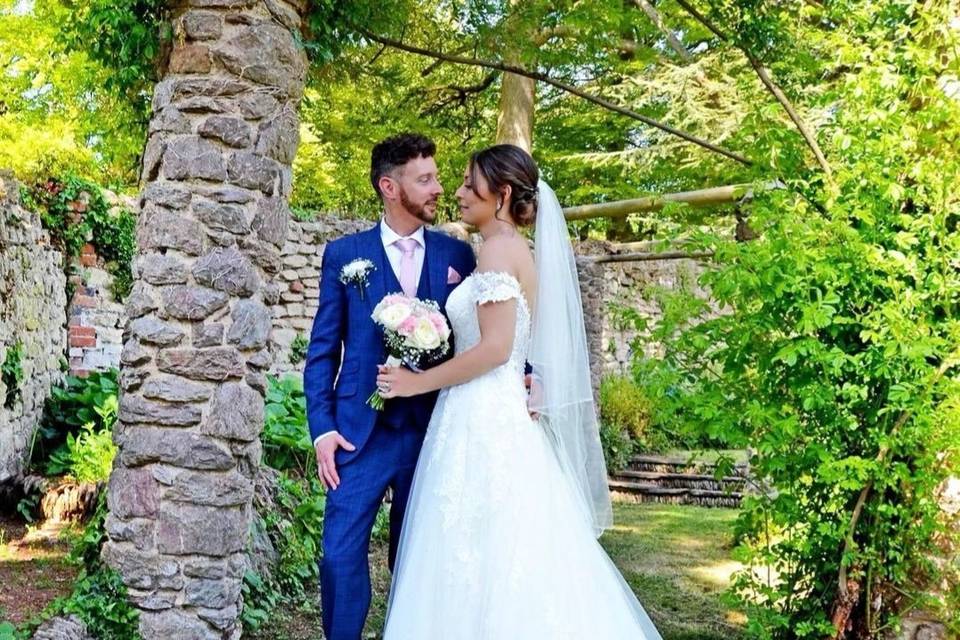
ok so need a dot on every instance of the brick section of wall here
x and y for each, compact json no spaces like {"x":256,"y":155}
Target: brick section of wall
{"x":95,"y":318}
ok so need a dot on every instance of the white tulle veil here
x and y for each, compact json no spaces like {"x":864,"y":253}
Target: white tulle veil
{"x":563,"y":394}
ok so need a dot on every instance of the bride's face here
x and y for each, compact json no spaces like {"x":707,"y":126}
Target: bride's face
{"x":475,"y":209}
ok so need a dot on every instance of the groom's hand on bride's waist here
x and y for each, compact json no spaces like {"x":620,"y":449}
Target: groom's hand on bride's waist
{"x":534,"y":394}
{"x":326,"y":446}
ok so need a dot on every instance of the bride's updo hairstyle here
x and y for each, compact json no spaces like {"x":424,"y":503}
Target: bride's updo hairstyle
{"x":507,"y":164}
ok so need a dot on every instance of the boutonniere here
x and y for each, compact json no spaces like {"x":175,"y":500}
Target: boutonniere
{"x":356,"y":272}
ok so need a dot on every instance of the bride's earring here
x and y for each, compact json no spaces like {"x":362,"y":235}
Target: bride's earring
{"x":499,"y":205}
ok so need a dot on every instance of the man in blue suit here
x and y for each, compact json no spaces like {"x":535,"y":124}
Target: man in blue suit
{"x":362,"y":452}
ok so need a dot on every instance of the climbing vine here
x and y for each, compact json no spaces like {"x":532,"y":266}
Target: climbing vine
{"x":74,"y":211}
{"x":11,"y":372}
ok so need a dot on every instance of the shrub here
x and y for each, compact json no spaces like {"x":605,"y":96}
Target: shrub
{"x":286,"y":439}
{"x":618,"y":448}
{"x":87,"y":457}
{"x":624,"y":404}
{"x":298,"y":349}
{"x":78,"y":418}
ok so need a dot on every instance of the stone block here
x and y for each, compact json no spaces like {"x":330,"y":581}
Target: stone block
{"x":228,"y":270}
{"x":134,"y":409}
{"x":185,"y":529}
{"x":186,"y":302}
{"x":251,"y":325}
{"x":143,"y":445}
{"x":212,"y":363}
{"x":236,"y":413}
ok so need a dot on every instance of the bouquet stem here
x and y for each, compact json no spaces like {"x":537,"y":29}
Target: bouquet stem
{"x":376,"y":400}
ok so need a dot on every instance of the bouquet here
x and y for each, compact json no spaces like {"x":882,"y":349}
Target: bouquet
{"x":415,"y":333}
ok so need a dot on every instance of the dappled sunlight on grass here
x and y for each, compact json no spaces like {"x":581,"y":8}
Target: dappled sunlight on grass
{"x":33,"y":570}
{"x":677,"y":559}
{"x":716,"y":575}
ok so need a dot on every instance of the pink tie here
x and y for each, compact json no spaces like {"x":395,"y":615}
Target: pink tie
{"x":408,"y":267}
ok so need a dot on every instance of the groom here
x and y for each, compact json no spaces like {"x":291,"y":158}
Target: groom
{"x":361,"y":452}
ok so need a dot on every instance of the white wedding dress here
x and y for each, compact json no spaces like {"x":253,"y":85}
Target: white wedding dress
{"x":496,"y":545}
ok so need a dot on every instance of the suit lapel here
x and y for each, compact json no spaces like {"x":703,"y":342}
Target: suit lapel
{"x":379,"y":283}
{"x":434,"y":261}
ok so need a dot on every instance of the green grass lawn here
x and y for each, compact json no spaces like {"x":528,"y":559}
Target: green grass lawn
{"x":675,"y":558}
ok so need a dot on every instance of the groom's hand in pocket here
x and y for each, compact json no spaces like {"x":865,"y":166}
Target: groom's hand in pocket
{"x":326,"y":447}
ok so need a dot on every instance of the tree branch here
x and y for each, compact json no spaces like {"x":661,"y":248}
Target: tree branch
{"x":535,"y":75}
{"x":459,"y":94}
{"x":672,"y":39}
{"x":625,"y":46}
{"x":771,"y":87}
{"x":430,"y":68}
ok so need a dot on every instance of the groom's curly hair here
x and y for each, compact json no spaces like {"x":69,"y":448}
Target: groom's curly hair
{"x":397,"y":151}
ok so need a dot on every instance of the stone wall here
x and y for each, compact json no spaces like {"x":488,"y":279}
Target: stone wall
{"x":604,"y":286}
{"x":32,"y":313}
{"x":299,"y":285}
{"x":95,"y":334}
{"x":96,"y":319}
{"x":627,"y":284}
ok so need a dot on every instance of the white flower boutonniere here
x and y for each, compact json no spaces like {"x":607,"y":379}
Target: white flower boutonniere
{"x":356,"y":272}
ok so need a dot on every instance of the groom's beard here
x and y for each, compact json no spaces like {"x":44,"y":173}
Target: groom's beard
{"x":419,"y":209}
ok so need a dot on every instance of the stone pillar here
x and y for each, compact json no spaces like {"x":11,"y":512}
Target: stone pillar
{"x":216,"y":178}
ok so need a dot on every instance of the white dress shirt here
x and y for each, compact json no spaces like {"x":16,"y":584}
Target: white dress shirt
{"x":388,"y":236}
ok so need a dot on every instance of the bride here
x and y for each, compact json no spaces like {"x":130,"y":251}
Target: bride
{"x":499,"y":538}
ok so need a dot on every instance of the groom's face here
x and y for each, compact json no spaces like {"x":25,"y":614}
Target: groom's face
{"x":419,"y":190}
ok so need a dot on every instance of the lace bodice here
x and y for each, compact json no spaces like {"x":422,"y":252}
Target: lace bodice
{"x":479,"y":288}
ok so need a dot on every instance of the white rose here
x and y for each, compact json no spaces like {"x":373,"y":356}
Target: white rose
{"x":425,"y":336}
{"x":393,"y":315}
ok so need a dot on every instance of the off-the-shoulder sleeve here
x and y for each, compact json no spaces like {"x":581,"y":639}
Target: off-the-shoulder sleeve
{"x":494,"y":286}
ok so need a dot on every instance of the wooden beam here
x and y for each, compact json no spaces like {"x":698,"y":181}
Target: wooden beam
{"x":646,"y":257}
{"x":646,"y":245}
{"x":702,"y":197}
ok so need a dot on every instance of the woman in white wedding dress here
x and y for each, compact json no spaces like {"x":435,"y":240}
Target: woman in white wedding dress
{"x":499,"y":538}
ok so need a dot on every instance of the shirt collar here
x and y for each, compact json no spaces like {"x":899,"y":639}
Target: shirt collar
{"x":389,"y":236}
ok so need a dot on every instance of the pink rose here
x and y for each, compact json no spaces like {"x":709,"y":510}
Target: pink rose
{"x":407,"y":327}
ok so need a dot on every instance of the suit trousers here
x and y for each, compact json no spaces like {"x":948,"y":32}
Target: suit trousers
{"x":387,"y":460}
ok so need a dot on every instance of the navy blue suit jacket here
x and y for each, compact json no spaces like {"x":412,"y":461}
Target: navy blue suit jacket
{"x":346,"y":345}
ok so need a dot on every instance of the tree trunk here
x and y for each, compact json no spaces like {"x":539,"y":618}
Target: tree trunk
{"x":216,"y":177}
{"x":517,"y":99}
{"x":515,"y":121}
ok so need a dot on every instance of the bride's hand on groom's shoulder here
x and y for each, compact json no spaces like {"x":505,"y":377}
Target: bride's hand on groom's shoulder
{"x":326,"y":448}
{"x":398,"y":382}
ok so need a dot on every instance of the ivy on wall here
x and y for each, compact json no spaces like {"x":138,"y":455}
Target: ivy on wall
{"x":74,"y":210}
{"x":11,"y":372}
